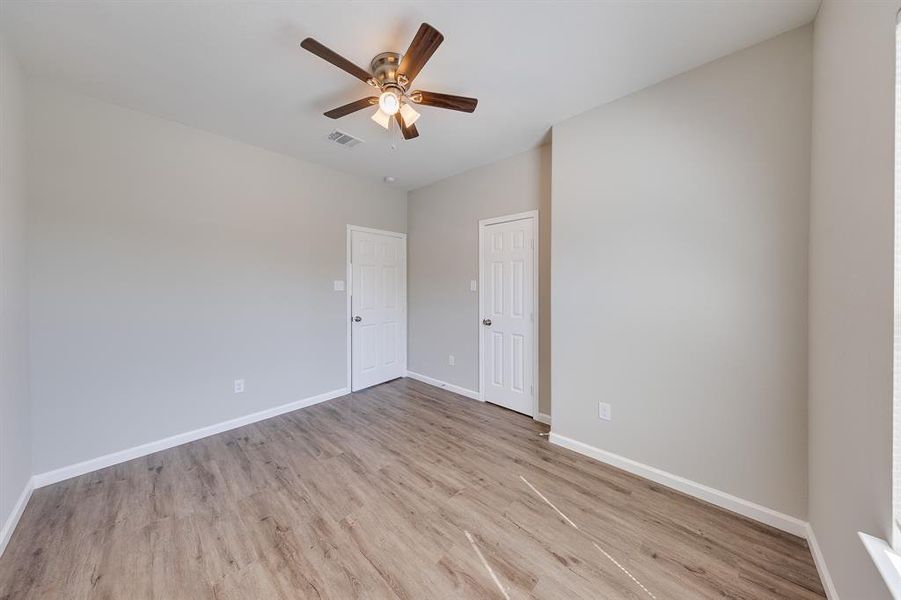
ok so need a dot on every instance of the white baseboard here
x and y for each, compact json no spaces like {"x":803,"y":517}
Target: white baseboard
{"x":121,"y":456}
{"x":820,"y":561}
{"x":443,"y":384}
{"x":543,"y":418}
{"x":719,"y":498}
{"x":10,"y":525}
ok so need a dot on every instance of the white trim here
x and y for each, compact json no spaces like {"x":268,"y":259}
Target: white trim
{"x":507,"y":218}
{"x":888,"y":562}
{"x":719,"y":498}
{"x":820,"y":562}
{"x":543,"y":418}
{"x":396,"y":234}
{"x":443,"y":384}
{"x":10,"y":525}
{"x":348,"y":289}
{"x":121,"y":456}
{"x":536,"y":284}
{"x":348,"y":292}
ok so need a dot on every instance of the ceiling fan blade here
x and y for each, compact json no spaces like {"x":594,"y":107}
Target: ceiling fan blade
{"x":461,"y":103}
{"x":336,"y":59}
{"x":420,"y":51}
{"x":408,"y":132}
{"x":337,"y":113}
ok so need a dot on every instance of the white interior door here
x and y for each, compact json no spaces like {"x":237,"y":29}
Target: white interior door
{"x":378,"y":307}
{"x":507,"y":298}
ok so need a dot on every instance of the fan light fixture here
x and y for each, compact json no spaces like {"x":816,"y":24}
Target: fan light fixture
{"x":407,"y":113}
{"x":389,"y":102}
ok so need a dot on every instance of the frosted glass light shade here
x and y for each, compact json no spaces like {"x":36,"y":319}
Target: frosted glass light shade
{"x":409,"y":114}
{"x":381,"y":118}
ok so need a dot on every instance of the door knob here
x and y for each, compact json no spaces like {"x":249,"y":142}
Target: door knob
{"x":486,"y":322}
{"x":358,"y":318}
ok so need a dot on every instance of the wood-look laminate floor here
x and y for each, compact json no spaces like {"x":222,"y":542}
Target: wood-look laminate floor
{"x":401,"y":491}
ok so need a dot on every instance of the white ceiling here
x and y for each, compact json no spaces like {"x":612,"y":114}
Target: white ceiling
{"x":235,"y":68}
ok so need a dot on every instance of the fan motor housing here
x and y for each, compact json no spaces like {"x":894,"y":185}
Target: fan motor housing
{"x":384,"y":67}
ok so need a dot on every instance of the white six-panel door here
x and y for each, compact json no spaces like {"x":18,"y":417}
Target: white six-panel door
{"x":378,"y":307}
{"x":507,"y":313}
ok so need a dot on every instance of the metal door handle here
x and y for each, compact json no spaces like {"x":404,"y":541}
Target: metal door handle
{"x":358,"y":318}
{"x":486,"y":322}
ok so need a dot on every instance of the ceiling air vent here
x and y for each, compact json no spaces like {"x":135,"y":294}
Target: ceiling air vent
{"x":344,"y":139}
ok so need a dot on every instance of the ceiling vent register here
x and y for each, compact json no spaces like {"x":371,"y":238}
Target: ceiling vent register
{"x":344,"y":139}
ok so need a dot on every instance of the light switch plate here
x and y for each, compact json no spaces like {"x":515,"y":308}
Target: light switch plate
{"x":604,"y":411}
{"x":473,"y":285}
{"x":239,"y":386}
{"x":339,"y":285}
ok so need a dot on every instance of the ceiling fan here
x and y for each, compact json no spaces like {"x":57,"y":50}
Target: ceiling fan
{"x":393,"y":75}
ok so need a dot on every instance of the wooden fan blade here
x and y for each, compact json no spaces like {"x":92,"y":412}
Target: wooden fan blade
{"x":420,"y":51}
{"x":409,"y":132}
{"x":337,"y":113}
{"x":336,"y":59}
{"x":437,"y":100}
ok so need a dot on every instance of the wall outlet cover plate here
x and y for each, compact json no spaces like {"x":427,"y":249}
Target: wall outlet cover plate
{"x":604,"y":411}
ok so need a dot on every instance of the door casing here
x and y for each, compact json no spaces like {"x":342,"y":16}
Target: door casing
{"x":348,"y":291}
{"x":483,"y":223}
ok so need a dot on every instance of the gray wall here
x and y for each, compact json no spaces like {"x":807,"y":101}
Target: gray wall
{"x":167,"y":262}
{"x":851,"y":248}
{"x":679,"y":274}
{"x":444,"y":258}
{"x":15,"y":421}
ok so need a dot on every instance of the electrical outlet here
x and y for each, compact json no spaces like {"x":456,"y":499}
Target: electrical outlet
{"x":338,"y":285}
{"x":239,"y":386}
{"x":604,"y":411}
{"x":451,"y":360}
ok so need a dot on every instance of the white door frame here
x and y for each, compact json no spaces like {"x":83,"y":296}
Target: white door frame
{"x":531,"y":214}
{"x":348,"y":289}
